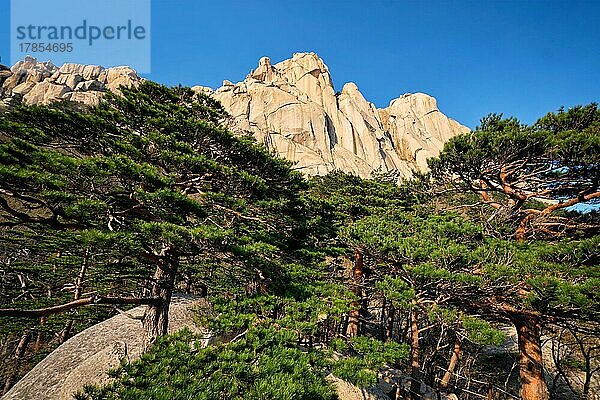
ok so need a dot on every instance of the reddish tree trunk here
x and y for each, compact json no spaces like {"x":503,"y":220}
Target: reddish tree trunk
{"x":521,"y":232}
{"x":353,"y":328}
{"x":452,"y":365}
{"x":415,"y":365}
{"x":531,"y":367}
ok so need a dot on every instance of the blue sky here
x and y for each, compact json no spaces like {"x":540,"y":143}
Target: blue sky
{"x":522,"y":58}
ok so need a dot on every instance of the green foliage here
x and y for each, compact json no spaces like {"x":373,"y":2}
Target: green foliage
{"x":574,"y":363}
{"x":355,"y":370}
{"x":112,"y":189}
{"x":152,"y":166}
{"x":523,"y":169}
{"x":397,"y":291}
{"x":264,"y":364}
{"x":376,"y":353}
{"x":481,"y":332}
{"x":337,"y":199}
{"x":363,"y":356}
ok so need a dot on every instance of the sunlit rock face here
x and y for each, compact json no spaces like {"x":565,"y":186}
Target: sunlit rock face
{"x":291,"y":107}
{"x":35,"y":82}
{"x":294,"y":110}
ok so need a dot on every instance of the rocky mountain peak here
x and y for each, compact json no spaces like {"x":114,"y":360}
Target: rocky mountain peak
{"x":306,"y":68}
{"x":265,"y":71}
{"x":293,"y":109}
{"x":35,"y":82}
{"x":290,"y":106}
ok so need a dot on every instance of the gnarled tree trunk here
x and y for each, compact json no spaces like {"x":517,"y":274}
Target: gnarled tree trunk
{"x":156,"y":319}
{"x":531,"y":367}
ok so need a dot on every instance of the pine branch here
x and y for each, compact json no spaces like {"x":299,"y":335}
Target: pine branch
{"x":44,"y":312}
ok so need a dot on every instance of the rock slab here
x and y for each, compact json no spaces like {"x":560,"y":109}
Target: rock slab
{"x":86,"y":358}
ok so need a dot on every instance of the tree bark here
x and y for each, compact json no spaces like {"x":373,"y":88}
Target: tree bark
{"x":582,"y":197}
{"x":415,"y":365}
{"x":531,"y":368}
{"x":156,"y":319}
{"x":40,"y":334}
{"x":383,"y":321}
{"x":452,"y":365}
{"x":522,"y":229}
{"x":353,"y":328}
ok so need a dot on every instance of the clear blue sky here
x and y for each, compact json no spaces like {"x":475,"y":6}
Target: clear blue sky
{"x":522,"y":58}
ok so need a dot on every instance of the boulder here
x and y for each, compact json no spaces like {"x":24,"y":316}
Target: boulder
{"x":91,"y":72}
{"x":23,"y":88}
{"x":348,"y":391}
{"x":71,"y":68}
{"x":32,"y":64}
{"x":28,"y":70}
{"x":264,"y":72}
{"x":45,"y":93}
{"x":203,"y":90}
{"x":42,"y":83}
{"x":120,"y":76}
{"x":4,"y":75}
{"x":90,"y":98}
{"x":13,"y":80}
{"x":89,"y":85}
{"x":27,"y":63}
{"x":37,"y":75}
{"x":70,"y":80}
{"x":86,"y":358}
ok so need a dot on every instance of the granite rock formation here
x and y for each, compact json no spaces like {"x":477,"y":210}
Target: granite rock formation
{"x":86,"y":358}
{"x":35,"y":82}
{"x":291,"y":107}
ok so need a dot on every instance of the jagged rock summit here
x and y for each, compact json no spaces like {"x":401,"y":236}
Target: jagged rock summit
{"x":291,"y":107}
{"x":35,"y":82}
